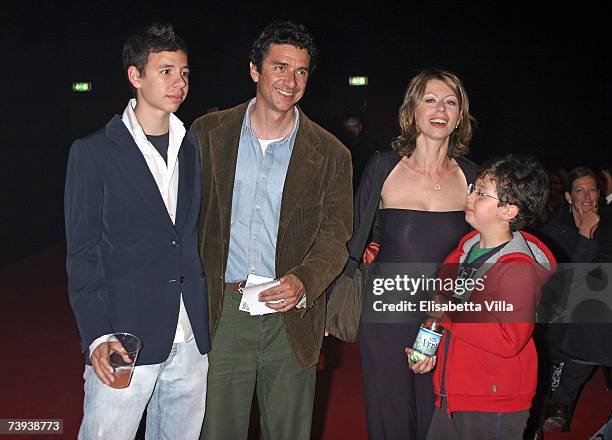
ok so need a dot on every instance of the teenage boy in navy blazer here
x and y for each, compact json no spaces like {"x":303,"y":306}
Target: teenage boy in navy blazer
{"x":132,"y":200}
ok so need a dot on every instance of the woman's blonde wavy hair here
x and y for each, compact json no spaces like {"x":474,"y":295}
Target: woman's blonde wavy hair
{"x":460,"y":138}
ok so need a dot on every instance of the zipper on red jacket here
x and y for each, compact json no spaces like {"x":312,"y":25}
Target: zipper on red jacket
{"x":446,"y":349}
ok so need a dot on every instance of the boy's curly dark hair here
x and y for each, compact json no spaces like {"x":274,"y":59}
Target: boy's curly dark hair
{"x":521,"y":181}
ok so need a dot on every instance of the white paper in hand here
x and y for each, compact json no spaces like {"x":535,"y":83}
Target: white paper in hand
{"x":250,"y":298}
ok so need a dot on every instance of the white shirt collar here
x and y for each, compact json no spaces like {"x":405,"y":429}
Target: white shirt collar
{"x":176,"y":128}
{"x":166,"y":174}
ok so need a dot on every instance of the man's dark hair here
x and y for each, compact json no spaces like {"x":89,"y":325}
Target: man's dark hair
{"x":520,"y":181}
{"x":283,"y":32}
{"x":151,"y":39}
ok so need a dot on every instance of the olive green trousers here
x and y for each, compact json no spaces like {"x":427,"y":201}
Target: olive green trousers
{"x":252,"y":353}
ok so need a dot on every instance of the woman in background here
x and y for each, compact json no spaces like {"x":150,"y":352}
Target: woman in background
{"x":555,"y":195}
{"x":579,"y":234}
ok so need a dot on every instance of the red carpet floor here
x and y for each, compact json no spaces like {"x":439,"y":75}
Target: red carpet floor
{"x":41,"y":368}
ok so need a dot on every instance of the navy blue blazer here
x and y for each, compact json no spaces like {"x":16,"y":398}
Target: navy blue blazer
{"x":127,"y":262}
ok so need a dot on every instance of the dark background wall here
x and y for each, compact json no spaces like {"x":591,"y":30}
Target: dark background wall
{"x":538,"y":78}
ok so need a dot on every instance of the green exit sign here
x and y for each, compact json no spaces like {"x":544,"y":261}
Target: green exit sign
{"x":358,"y":80}
{"x":81,"y":87}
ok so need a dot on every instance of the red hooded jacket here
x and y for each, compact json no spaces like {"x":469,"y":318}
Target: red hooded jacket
{"x":489,"y":363}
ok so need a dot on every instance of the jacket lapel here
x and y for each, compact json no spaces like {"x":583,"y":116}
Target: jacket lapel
{"x":184,"y":200}
{"x":224,"y":141}
{"x":132,"y":163}
{"x":305,"y":162}
{"x":303,"y":166}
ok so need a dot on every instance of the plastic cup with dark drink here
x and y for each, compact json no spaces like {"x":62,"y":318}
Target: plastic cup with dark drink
{"x":124,"y":349}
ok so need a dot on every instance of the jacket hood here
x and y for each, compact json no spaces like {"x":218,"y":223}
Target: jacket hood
{"x":522,"y":247}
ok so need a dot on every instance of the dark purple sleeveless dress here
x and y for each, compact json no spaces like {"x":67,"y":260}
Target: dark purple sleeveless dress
{"x":399,"y":403}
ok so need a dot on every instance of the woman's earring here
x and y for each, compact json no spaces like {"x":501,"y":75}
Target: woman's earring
{"x":570,"y":208}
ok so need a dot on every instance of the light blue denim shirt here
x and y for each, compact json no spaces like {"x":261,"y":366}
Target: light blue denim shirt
{"x":256,"y":203}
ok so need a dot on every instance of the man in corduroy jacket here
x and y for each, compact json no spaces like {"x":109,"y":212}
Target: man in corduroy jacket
{"x":276,"y":203}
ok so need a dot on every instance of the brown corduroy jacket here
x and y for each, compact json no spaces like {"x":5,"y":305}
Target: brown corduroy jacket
{"x":315,"y":219}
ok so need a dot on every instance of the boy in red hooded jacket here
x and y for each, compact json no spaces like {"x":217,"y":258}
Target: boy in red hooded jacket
{"x":487,"y":363}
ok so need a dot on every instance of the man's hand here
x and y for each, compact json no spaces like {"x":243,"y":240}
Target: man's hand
{"x":99,"y":360}
{"x":421,"y":367}
{"x":289,"y":292}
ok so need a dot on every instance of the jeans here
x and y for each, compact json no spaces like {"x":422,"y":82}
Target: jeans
{"x":174,"y":390}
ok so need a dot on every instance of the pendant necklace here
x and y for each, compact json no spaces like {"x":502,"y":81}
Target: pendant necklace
{"x":436,"y":185}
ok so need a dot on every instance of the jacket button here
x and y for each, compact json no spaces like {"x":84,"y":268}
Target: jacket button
{"x":182,"y":280}
{"x":174,"y":243}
